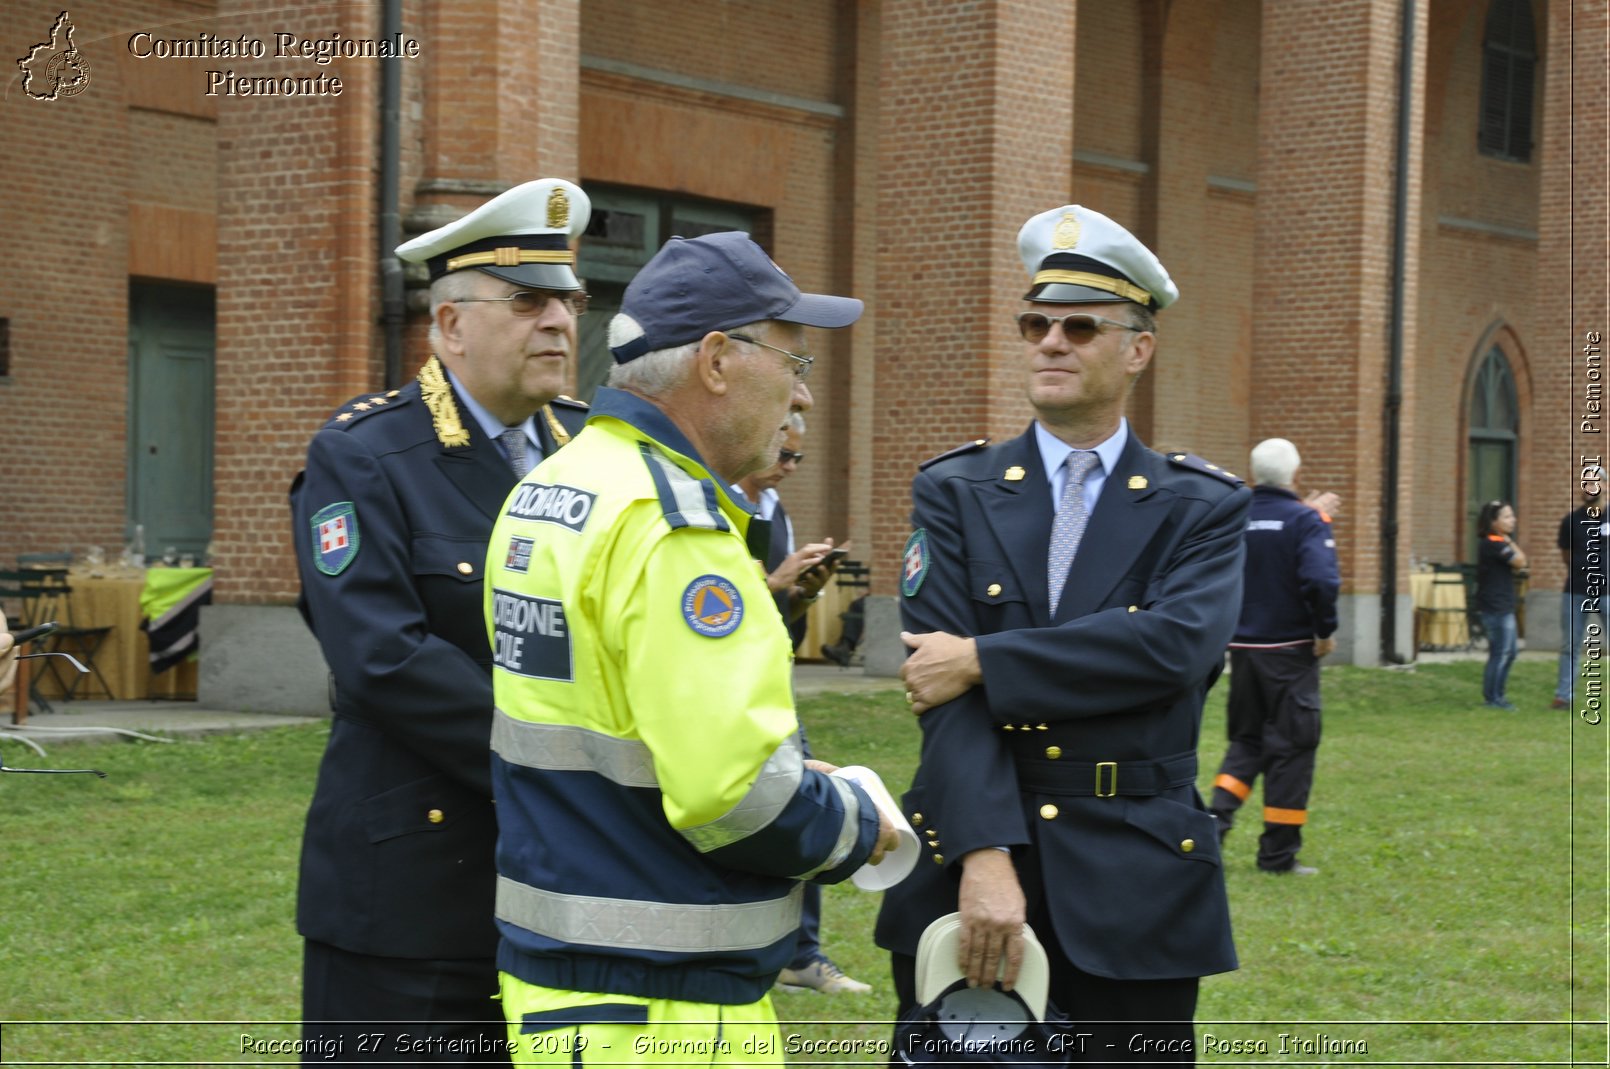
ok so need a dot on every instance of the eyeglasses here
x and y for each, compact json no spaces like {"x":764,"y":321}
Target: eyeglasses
{"x":802,"y":364}
{"x":788,"y":456}
{"x":535,"y":302}
{"x":1079,"y":328}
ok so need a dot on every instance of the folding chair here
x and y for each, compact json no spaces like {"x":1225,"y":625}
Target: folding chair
{"x":22,"y":591}
{"x":45,"y":575}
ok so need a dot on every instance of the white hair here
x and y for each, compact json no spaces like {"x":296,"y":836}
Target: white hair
{"x":453,"y":286}
{"x":1275,"y":462}
{"x":656,"y":373}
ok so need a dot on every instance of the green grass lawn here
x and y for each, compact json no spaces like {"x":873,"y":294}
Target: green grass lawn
{"x":1459,"y":914}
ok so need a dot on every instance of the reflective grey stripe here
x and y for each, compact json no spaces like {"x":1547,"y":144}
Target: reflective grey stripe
{"x":849,"y":831}
{"x":567,"y":748}
{"x":686,"y":501}
{"x":630,"y":925}
{"x":774,"y":788}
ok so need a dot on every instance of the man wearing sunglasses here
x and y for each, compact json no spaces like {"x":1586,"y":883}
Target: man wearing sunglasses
{"x":1067,"y":596}
{"x":392,"y":518}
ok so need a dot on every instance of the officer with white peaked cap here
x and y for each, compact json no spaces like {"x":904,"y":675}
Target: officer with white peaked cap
{"x":391,"y":523}
{"x":1067,"y":596}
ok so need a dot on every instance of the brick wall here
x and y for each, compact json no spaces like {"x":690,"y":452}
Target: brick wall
{"x":994,"y":87}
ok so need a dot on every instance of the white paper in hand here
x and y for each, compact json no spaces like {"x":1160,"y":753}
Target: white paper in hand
{"x":898,"y":863}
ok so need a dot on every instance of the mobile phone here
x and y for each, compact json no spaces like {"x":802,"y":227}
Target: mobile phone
{"x":833,"y":556}
{"x":32,"y":633}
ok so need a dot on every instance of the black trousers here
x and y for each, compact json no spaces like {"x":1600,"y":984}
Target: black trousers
{"x":1115,"y":1022}
{"x":1274,"y":731}
{"x":371,"y":1010}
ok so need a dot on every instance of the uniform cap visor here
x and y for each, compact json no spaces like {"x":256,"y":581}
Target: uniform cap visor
{"x":938,"y":966}
{"x":538,"y":276}
{"x":1066,"y":293}
{"x":821,"y":310}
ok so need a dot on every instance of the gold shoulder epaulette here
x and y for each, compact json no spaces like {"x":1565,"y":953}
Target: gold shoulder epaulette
{"x":971,"y":447}
{"x":1192,"y":462}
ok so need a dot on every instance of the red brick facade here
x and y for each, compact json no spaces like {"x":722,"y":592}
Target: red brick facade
{"x":890,"y":148}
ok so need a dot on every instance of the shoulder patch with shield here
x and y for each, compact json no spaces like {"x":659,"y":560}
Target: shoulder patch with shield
{"x":335,"y":537}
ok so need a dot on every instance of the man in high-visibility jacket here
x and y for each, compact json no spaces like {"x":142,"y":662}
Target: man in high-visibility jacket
{"x":656,"y":814}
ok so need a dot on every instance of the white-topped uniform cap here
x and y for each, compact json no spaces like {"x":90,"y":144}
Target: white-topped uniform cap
{"x":523,"y":235}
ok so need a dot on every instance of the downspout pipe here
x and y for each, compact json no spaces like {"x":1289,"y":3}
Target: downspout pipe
{"x":392,"y":310}
{"x":1394,"y":387}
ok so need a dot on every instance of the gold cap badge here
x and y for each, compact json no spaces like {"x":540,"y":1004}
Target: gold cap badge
{"x":1066,"y":235}
{"x":1014,"y":474}
{"x":558,"y":209}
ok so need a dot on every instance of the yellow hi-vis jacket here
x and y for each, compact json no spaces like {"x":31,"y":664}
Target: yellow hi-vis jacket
{"x":655,"y":815}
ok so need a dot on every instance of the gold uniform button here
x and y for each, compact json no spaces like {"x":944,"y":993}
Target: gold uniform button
{"x":1187,"y":845}
{"x":1053,"y":752}
{"x":1134,"y":608}
{"x":939,"y":859}
{"x":994,"y":590}
{"x":435,"y":816}
{"x":916,"y":820}
{"x":466,"y":568}
{"x":1048,"y":811}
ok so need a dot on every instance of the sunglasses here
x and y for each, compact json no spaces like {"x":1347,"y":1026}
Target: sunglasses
{"x":785,"y":456}
{"x":1079,"y":328}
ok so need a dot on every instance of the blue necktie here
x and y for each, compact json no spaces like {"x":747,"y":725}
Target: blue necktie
{"x":514,"y":443}
{"x":1069,"y":528}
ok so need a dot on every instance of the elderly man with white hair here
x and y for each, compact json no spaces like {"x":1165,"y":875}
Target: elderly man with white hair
{"x":1288,"y":617}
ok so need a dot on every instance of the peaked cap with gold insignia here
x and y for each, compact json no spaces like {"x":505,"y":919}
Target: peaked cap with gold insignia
{"x":522,"y":236}
{"x":1078,"y":256}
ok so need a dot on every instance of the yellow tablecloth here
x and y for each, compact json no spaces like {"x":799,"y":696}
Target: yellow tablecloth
{"x":1439,"y":610}
{"x":124,"y":659}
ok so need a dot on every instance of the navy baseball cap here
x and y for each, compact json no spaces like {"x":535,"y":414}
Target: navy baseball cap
{"x":715,"y":282}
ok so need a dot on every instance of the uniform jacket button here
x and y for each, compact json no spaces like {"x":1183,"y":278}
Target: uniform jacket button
{"x":916,"y":820}
{"x":1053,"y":752}
{"x":1048,"y":811}
{"x":994,"y":590}
{"x":435,"y":816}
{"x":1187,"y":845}
{"x":466,"y":568}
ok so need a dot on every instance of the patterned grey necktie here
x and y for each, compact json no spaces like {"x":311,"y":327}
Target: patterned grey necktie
{"x":514,"y":443}
{"x":1069,"y":527}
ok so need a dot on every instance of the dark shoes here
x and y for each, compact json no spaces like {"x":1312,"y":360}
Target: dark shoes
{"x":838,"y":653}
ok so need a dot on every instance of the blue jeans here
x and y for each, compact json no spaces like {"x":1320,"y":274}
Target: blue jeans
{"x":1573,"y":628}
{"x":1500,"y":628}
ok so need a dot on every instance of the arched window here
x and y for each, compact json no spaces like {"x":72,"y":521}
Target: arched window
{"x":1508,"y":71}
{"x":1494,"y":420}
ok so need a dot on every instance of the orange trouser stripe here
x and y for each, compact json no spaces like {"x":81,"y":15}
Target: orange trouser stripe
{"x":1233,"y":785}
{"x":1271,"y":815}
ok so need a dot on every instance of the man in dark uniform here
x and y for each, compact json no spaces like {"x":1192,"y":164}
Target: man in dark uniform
{"x":1288,"y":618}
{"x":391,"y":521}
{"x":1584,"y":536}
{"x":1068,"y":595}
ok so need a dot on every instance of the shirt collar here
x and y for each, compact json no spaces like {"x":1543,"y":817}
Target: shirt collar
{"x":490,"y":425}
{"x":1054,"y":451}
{"x":647,"y":418}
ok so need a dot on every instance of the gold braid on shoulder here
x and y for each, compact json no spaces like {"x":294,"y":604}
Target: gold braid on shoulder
{"x":557,"y":429}
{"x":438,"y":397}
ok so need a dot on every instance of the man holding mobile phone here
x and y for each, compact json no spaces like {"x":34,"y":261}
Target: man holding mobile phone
{"x":796,"y":578}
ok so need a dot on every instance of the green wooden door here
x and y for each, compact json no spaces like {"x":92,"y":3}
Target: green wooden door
{"x":171,"y":343}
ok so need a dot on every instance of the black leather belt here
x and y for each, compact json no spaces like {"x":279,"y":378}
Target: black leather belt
{"x":1105,"y":779}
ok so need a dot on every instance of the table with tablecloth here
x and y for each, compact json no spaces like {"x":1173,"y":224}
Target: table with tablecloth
{"x":124,"y":658}
{"x":1440,"y":621}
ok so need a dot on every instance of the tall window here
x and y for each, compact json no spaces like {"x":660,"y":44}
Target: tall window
{"x":1494,"y":433}
{"x":1508,"y":71}
{"x":626,"y":229}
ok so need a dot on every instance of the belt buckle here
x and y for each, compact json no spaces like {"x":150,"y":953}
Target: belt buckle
{"x":1109,"y":771}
